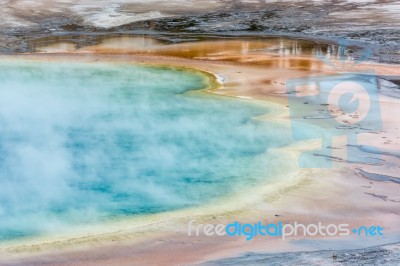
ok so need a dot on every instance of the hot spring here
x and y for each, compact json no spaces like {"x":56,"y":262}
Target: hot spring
{"x":83,"y":143}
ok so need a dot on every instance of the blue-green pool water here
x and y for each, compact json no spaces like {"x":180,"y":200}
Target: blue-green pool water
{"x":82,"y":143}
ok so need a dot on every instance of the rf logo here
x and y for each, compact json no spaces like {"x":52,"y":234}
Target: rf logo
{"x":328,"y":106}
{"x":336,"y":105}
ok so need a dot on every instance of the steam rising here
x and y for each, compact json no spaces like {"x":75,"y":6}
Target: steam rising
{"x":81,"y":143}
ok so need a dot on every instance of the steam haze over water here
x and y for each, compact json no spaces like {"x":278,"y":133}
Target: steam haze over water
{"x":82,"y":143}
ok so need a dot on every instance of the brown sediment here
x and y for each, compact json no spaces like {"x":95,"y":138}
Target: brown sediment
{"x":252,"y":72}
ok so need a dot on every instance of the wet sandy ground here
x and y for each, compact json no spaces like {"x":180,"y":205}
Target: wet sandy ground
{"x":250,"y":72}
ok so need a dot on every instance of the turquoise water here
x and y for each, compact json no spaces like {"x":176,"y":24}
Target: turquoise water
{"x":82,"y":143}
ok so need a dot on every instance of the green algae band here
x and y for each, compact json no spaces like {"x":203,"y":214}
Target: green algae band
{"x":83,"y":143}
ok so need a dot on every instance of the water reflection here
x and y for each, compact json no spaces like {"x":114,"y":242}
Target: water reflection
{"x":239,"y":50}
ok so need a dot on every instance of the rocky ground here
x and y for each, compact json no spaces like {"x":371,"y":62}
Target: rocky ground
{"x":375,"y":24}
{"x":381,"y":255}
